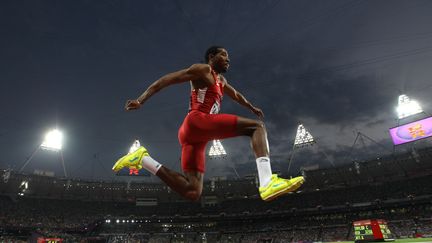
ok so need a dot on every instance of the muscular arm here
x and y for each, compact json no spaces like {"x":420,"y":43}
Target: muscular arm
{"x":235,"y":95}
{"x":239,"y":98}
{"x":194,"y":72}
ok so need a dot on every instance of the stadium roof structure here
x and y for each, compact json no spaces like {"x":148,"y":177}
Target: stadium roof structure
{"x":407,"y":107}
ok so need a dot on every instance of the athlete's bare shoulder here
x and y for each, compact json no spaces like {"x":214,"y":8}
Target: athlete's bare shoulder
{"x":202,"y":75}
{"x":199,"y":70}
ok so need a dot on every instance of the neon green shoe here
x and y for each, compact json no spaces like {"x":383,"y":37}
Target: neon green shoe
{"x":131,"y":160}
{"x":279,"y":186}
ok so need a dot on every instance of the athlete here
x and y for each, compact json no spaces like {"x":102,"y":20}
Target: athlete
{"x":203,"y":123}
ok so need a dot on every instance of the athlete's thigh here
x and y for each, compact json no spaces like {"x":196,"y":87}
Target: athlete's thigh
{"x":193,"y":157}
{"x":219,"y":126}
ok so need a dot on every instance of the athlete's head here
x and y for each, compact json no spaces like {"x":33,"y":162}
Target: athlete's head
{"x":218,"y":58}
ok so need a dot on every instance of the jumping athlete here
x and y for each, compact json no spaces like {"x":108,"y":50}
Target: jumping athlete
{"x":203,"y":123}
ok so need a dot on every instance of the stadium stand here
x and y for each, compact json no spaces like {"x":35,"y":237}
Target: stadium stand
{"x":395,"y":188}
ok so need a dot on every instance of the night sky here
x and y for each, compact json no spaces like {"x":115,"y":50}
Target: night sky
{"x":335,"y":66}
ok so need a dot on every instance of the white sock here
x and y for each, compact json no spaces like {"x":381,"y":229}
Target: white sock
{"x":150,"y":164}
{"x":264,"y":170}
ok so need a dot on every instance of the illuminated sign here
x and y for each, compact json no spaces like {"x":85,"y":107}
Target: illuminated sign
{"x":49,"y":240}
{"x":132,"y":172}
{"x":412,"y":131}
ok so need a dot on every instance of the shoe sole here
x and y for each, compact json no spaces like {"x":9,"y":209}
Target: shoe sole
{"x":292,"y":188}
{"x":118,"y":162}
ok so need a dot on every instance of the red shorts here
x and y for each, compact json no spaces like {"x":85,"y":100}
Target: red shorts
{"x":197,"y":129}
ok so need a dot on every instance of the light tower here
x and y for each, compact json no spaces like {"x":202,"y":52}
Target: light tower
{"x":407,"y":107}
{"x":217,"y":150}
{"x":53,"y":142}
{"x":302,"y":139}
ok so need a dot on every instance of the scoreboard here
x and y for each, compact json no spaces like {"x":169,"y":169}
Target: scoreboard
{"x":371,"y":230}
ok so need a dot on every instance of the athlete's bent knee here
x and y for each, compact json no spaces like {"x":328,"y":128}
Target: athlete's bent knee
{"x":193,"y":195}
{"x":260,"y":124}
{"x":250,"y":128}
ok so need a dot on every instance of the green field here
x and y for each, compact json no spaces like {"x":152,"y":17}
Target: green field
{"x":423,"y":240}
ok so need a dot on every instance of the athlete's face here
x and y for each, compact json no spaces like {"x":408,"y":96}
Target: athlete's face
{"x":221,"y":61}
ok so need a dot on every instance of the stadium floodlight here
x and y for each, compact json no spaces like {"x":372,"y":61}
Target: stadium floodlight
{"x":303,"y":137}
{"x":23,"y":188}
{"x":6,"y":175}
{"x":53,"y":141}
{"x":407,"y":107}
{"x":217,"y":150}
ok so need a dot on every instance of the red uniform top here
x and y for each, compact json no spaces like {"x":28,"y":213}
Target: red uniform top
{"x":203,"y":124}
{"x":208,"y":99}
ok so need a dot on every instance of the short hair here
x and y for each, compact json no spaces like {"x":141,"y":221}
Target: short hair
{"x":212,"y":50}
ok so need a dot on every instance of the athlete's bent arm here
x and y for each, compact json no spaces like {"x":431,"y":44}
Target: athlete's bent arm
{"x":239,"y":98}
{"x":194,"y":72}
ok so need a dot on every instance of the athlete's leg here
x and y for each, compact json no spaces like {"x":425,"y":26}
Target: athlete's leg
{"x":255,"y":129}
{"x":188,"y":185}
{"x":270,"y":185}
{"x":220,"y":126}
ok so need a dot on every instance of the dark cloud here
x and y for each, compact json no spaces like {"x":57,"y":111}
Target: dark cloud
{"x":336,"y":66}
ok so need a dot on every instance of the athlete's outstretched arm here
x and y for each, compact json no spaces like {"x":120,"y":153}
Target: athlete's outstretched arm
{"x":194,"y":72}
{"x":239,"y":98}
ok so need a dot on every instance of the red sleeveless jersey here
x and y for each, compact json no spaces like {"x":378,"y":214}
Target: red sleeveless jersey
{"x":208,"y":99}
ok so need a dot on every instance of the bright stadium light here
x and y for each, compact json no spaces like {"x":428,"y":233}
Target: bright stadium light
{"x":23,"y":188}
{"x":407,"y":107}
{"x":303,"y":137}
{"x":217,"y":150}
{"x":53,"y":141}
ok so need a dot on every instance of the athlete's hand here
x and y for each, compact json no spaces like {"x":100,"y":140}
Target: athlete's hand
{"x":132,"y":105}
{"x":258,"y":112}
